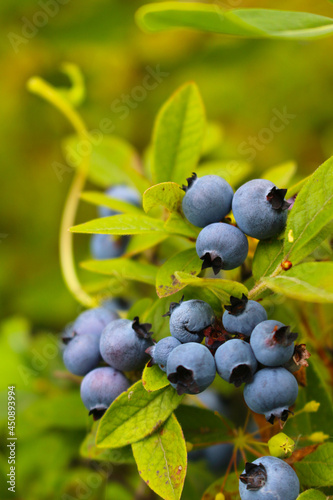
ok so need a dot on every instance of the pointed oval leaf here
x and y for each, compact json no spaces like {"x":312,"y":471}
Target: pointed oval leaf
{"x":89,"y":450}
{"x":123,"y":268}
{"x":316,"y":469}
{"x":101,"y":199}
{"x":311,"y":281}
{"x":167,"y":194}
{"x":253,"y":23}
{"x":178,"y":135}
{"x":268,"y":255}
{"x":135,"y":414}
{"x":312,"y":495}
{"x":310,"y":215}
{"x":186,"y":261}
{"x":140,"y":242}
{"x":121,"y":224}
{"x":162,"y":460}
{"x":153,"y":378}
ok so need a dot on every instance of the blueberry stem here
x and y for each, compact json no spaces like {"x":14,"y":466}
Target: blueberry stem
{"x":46,"y":91}
{"x":261,"y":285}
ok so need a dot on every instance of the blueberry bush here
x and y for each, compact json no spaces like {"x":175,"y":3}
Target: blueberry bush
{"x":198,"y":289}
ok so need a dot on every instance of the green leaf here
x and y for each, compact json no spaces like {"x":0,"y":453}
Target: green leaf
{"x":312,"y":495}
{"x":221,"y":288}
{"x":89,"y":450}
{"x":316,"y":469}
{"x":202,"y":427}
{"x":162,"y":460}
{"x":167,"y":194}
{"x":253,"y":23}
{"x":295,"y":189}
{"x":312,"y":211}
{"x":268,"y":255}
{"x":123,"y":268}
{"x":112,"y":161}
{"x":101,"y":199}
{"x":178,"y":135}
{"x":177,"y":225}
{"x":166,"y":281}
{"x":135,"y":414}
{"x":140,"y":242}
{"x":213,"y":137}
{"x":153,"y":378}
{"x":233,"y":171}
{"x":311,"y":281}
{"x":281,"y":175}
{"x":121,"y":224}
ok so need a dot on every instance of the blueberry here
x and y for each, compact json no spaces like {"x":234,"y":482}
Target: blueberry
{"x":122,"y":193}
{"x":207,"y":199}
{"x":243,"y":315}
{"x":100,"y":388}
{"x":191,"y":368}
{"x":91,"y":321}
{"x":124,"y":342}
{"x":268,"y":478}
{"x":106,"y":246}
{"x":81,"y":354}
{"x":272,"y":343}
{"x":259,"y":209}
{"x":271,"y":393}
{"x":235,"y":362}
{"x":221,"y":246}
{"x":189,"y":319}
{"x":160,"y":351}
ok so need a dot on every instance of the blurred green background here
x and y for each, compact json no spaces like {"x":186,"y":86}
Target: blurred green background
{"x":243,"y":82}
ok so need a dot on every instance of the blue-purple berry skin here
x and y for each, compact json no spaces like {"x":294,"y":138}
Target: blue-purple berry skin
{"x":122,"y":348}
{"x":191,"y":368}
{"x":122,"y":193}
{"x":106,"y":246}
{"x":189,"y":319}
{"x":247,"y":320}
{"x":223,"y":241}
{"x":268,"y":352}
{"x":160,"y":351}
{"x":271,"y":392}
{"x":92,"y":321}
{"x":207,"y":200}
{"x":235,"y":361}
{"x":101,"y":387}
{"x":81,"y":354}
{"x":254,"y":214}
{"x":282,"y":482}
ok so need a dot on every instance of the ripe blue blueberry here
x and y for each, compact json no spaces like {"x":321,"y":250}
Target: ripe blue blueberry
{"x":271,"y":393}
{"x":235,"y":362}
{"x":106,"y":246}
{"x":81,"y":354}
{"x":189,"y":319}
{"x":191,"y":368}
{"x":160,"y":351}
{"x":100,"y":388}
{"x":221,"y":246}
{"x":122,"y":193}
{"x":260,"y":209}
{"x":91,"y":321}
{"x":124,"y":342}
{"x":243,"y":315}
{"x":272,"y":343}
{"x":268,"y":478}
{"x":207,"y":199}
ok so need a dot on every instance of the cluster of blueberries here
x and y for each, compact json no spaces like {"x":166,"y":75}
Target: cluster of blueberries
{"x":244,"y":347}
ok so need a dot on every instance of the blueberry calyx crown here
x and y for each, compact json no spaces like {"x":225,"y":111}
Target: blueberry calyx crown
{"x":276,"y":199}
{"x":98,"y":412}
{"x":301,"y":354}
{"x":241,"y":373}
{"x":237,"y":305}
{"x":283,"y":416}
{"x":142,"y":329}
{"x":210,"y":261}
{"x":255,"y":476}
{"x":284,"y":336}
{"x":190,"y":182}
{"x":183,"y":379}
{"x":173,"y":306}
